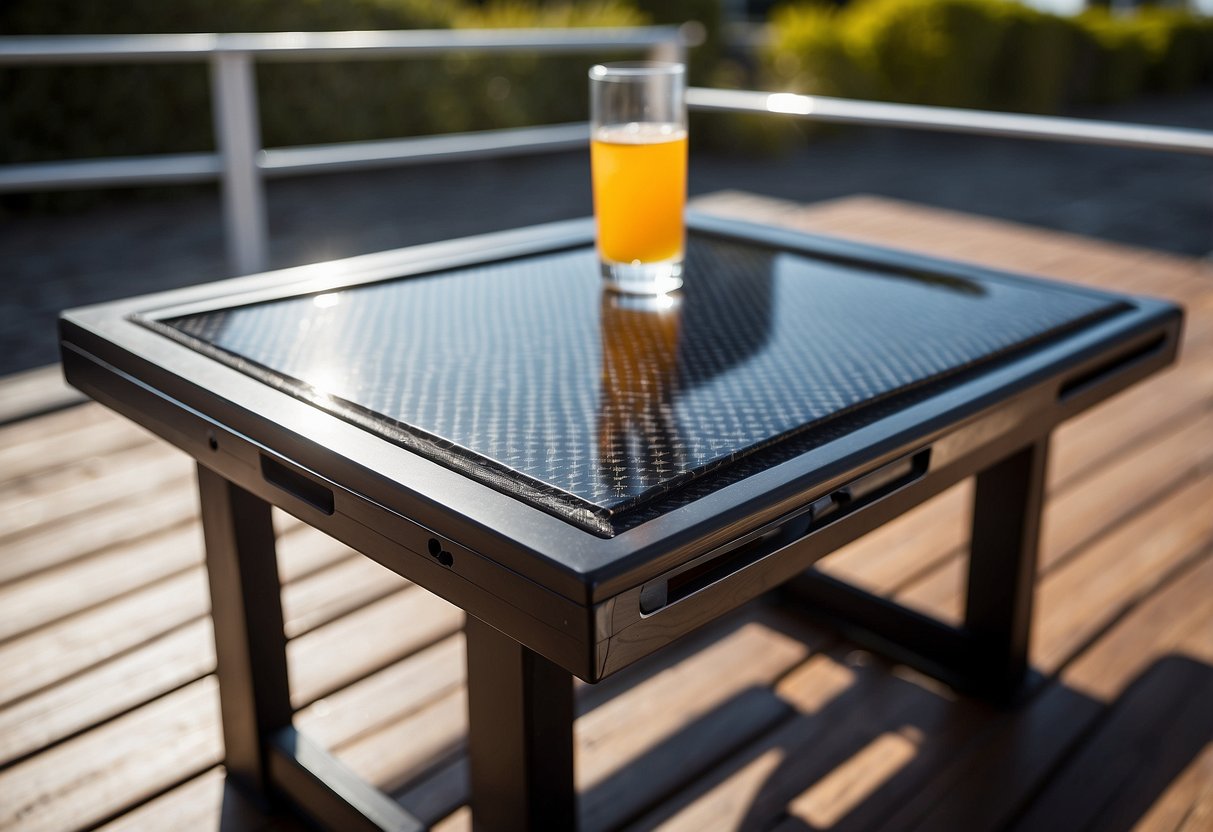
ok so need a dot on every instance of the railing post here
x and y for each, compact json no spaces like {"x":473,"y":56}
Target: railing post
{"x":238,"y":138}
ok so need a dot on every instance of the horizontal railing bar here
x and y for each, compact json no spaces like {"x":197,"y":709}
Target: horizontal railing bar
{"x":289,"y":161}
{"x":162,"y":169}
{"x":950,"y":119}
{"x":61,"y":49}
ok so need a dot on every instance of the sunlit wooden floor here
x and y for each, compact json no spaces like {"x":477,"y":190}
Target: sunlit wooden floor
{"x":109,"y":713}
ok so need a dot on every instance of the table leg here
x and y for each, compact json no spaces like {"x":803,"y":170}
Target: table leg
{"x":1002,"y":564}
{"x":988,"y":655}
{"x":264,"y":754}
{"x":520,"y":735}
{"x":246,"y":607}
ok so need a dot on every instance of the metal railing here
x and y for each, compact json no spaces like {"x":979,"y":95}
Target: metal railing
{"x":241,"y":163}
{"x":953,"y":120}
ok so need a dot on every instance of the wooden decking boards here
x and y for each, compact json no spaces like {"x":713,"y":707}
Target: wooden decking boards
{"x":109,"y":712}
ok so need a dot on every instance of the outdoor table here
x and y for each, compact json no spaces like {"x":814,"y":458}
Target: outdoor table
{"x":591,"y":476}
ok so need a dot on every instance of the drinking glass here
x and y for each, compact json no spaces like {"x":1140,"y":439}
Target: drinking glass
{"x":638,"y":158}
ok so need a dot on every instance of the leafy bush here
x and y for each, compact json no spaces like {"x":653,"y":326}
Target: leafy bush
{"x":985,"y":53}
{"x":66,"y":112}
{"x":1179,"y":47}
{"x":58,"y":112}
{"x":973,"y":53}
{"x":528,"y":88}
{"x":1036,"y":60}
{"x":1119,"y":56}
{"x":811,"y":52}
{"x":913,"y":49}
{"x":78,"y":112}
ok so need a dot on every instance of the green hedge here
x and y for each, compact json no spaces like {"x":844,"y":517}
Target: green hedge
{"x":1178,"y":48}
{"x":973,"y":53}
{"x":79,"y":112}
{"x":991,"y":54}
{"x":66,"y":112}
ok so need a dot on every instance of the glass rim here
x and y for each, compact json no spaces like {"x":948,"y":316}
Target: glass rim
{"x":628,"y":70}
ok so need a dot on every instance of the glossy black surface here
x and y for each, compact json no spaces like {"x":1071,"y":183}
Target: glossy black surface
{"x":525,"y":375}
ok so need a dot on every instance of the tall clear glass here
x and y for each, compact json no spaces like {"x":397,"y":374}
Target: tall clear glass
{"x":638,"y":157}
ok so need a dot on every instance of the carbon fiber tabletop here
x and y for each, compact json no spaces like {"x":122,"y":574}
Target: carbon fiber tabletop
{"x":527,"y":376}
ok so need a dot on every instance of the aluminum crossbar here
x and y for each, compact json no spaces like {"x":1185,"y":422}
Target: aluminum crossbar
{"x":953,"y":120}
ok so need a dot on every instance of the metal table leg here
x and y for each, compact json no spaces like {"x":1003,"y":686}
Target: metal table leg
{"x":521,"y":705}
{"x":988,"y":654}
{"x":1002,"y":566}
{"x":264,"y":754}
{"x":246,"y":607}
{"x":520,"y":740}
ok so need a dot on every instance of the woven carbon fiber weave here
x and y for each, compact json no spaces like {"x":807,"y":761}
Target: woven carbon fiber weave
{"x":527,"y":376}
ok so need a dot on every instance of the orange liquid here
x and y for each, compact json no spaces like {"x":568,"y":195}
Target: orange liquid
{"x":640,"y":189}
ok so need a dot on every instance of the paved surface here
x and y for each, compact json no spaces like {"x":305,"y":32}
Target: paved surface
{"x":1154,"y":200}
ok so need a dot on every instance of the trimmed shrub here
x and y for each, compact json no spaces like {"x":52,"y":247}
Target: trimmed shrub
{"x":942,"y":52}
{"x":970,"y":53}
{"x":810,"y":52}
{"x":525,"y":89}
{"x":1036,"y":59}
{"x":69,"y":112}
{"x":1119,"y":57}
{"x":990,"y":54}
{"x":81,"y":112}
{"x":1178,"y":48}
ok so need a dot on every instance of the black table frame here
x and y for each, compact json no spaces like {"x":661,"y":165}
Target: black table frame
{"x":520,"y":676}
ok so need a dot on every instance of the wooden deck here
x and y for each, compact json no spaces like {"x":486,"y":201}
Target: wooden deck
{"x":109,"y":713}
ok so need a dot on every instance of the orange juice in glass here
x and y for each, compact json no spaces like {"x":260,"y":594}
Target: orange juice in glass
{"x":638,"y":156}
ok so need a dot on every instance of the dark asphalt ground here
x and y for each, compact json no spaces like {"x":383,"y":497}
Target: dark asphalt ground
{"x":1148,"y":199}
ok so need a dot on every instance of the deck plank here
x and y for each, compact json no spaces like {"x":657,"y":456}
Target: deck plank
{"x":129,"y":651}
{"x":990,"y":782}
{"x":37,"y":448}
{"x":354,"y":646}
{"x":120,"y":684}
{"x":1165,"y":718}
{"x":1093,"y":508}
{"x":206,"y":802}
{"x":84,"y":583}
{"x":757,"y":722}
{"x":386,"y":697}
{"x":965,"y":783}
{"x":1187,"y":805}
{"x":52,"y":595}
{"x":121,"y":524}
{"x":638,"y":745}
{"x":92,"y":483}
{"x":94,"y":776}
{"x":62,"y":650}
